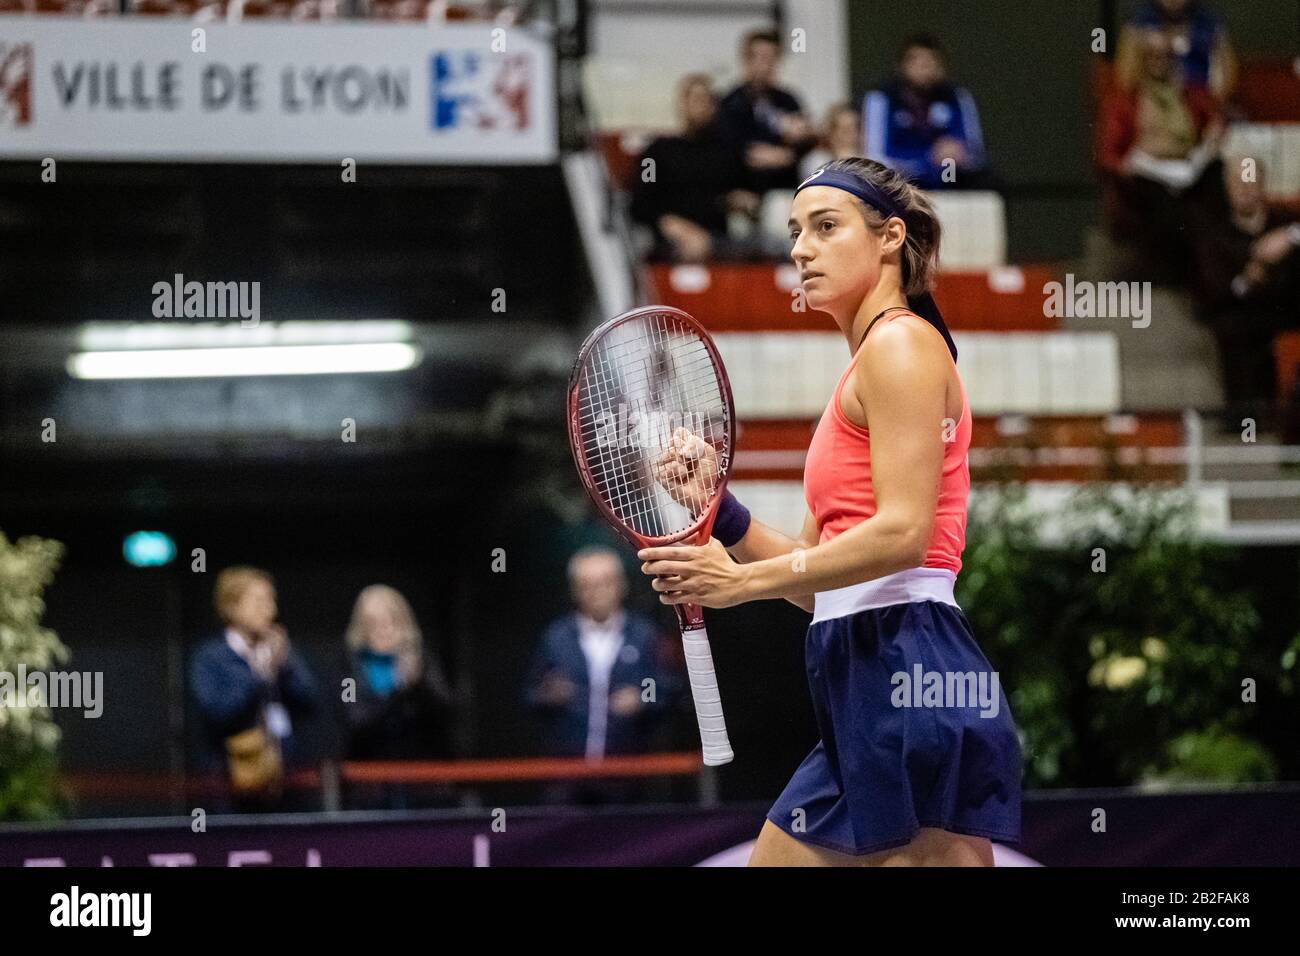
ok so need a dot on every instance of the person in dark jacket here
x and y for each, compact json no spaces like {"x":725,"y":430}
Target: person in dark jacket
{"x":1247,"y":276}
{"x":687,"y":184}
{"x":403,"y":705}
{"x":766,"y":124}
{"x":249,"y":683}
{"x":400,"y":705}
{"x":599,"y":683}
{"x":923,"y":126}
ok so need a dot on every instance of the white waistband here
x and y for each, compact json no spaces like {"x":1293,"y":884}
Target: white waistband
{"x":901,"y":587}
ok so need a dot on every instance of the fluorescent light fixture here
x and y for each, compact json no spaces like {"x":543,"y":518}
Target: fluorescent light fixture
{"x":242,"y":362}
{"x":113,"y":336}
{"x":127,"y":350}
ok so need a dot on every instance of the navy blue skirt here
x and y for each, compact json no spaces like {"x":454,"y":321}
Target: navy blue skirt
{"x":916,"y":731}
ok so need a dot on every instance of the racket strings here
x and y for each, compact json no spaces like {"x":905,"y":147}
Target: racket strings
{"x":638,"y":384}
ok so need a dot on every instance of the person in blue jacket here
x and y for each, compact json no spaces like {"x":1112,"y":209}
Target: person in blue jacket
{"x":598,"y":684}
{"x":923,"y":126}
{"x":249,"y":677}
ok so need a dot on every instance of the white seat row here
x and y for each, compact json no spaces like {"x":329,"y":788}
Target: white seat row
{"x":781,"y":504}
{"x":792,"y":374}
{"x":1276,"y":146}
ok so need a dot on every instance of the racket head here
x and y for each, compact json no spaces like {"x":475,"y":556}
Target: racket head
{"x":662,"y":366}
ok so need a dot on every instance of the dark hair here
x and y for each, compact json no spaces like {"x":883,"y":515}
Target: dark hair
{"x":924,"y":41}
{"x":920,"y":253}
{"x":761,"y":35}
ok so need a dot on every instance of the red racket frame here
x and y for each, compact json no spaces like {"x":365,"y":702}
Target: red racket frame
{"x":689,"y":616}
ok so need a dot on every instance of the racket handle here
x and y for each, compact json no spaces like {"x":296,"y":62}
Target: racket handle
{"x":708,"y":702}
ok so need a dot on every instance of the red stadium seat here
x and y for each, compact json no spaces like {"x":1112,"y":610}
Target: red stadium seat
{"x":1269,"y":92}
{"x":65,"y":8}
{"x":1006,"y":299}
{"x":734,"y":297}
{"x":619,"y":160}
{"x":1286,"y":353}
{"x":163,"y":8}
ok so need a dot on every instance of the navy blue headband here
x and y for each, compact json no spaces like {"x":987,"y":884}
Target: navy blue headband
{"x":923,"y":305}
{"x":842,"y":179}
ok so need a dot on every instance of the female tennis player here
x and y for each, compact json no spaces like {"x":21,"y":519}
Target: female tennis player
{"x":899,"y":777}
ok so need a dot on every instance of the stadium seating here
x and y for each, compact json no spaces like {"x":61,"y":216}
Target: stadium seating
{"x":789,"y":374}
{"x":764,"y":297}
{"x":1276,"y":146}
{"x":1268,"y":91}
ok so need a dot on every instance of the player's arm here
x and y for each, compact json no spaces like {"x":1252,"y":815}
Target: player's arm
{"x":762,"y":541}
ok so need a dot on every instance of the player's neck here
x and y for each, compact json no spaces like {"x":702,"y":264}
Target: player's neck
{"x":881,"y":297}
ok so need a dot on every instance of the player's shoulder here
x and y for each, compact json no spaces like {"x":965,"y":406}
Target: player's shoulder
{"x":901,"y":346}
{"x":900,"y":333}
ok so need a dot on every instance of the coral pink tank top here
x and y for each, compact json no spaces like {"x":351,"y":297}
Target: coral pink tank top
{"x":837,"y":477}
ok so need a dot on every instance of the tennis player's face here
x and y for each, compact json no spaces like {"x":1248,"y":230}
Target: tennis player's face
{"x":837,"y":256}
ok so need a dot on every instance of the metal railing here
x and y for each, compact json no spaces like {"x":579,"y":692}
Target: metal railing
{"x":331,"y":778}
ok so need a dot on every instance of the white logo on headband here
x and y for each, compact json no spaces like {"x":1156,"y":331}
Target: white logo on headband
{"x":811,"y":178}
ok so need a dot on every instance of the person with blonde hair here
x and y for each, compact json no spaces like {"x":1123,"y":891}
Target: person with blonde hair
{"x":250,"y":687}
{"x":402,"y":705}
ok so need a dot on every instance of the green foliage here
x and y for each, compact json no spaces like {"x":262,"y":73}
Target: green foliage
{"x":1122,"y":648}
{"x":1214,"y":755}
{"x":29,"y":738}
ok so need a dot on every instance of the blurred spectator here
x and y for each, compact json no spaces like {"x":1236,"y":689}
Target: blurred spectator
{"x":1248,"y":277}
{"x":403,"y":704}
{"x":1156,"y":142}
{"x":685,"y":196}
{"x":250,"y":686}
{"x":1198,"y":38}
{"x":919,"y":122}
{"x":586,"y":680}
{"x":765,"y":123}
{"x":841,"y":139}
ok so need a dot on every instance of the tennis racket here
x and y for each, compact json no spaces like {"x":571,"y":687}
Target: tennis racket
{"x":649,"y":388}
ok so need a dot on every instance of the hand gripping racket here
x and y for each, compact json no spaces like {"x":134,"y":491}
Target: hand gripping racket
{"x":640,"y":379}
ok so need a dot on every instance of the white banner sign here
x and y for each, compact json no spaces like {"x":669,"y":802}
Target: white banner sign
{"x":139,"y":89}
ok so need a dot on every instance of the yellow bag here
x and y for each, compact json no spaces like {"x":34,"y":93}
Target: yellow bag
{"x":254,"y":761}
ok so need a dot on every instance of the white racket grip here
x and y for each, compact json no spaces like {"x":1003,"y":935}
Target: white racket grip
{"x":708,"y":702}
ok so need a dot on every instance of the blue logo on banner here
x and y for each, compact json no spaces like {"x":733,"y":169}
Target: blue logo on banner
{"x":453,"y":76}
